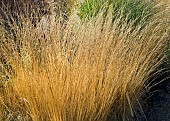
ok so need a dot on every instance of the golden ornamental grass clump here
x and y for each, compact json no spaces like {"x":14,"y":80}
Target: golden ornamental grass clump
{"x":94,"y":72}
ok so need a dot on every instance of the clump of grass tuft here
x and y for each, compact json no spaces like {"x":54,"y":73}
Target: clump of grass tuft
{"x":96,"y":72}
{"x":136,"y":11}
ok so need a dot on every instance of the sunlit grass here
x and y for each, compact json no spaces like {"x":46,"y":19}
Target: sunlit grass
{"x":94,"y":72}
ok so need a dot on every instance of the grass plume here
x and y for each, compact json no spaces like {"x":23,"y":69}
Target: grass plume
{"x":96,"y":72}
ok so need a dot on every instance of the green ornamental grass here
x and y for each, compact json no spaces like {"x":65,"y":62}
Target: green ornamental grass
{"x":136,"y":11}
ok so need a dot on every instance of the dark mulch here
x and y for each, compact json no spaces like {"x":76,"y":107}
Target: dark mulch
{"x":158,"y":103}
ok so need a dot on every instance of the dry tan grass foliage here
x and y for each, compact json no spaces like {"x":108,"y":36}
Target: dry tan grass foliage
{"x":94,"y":72}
